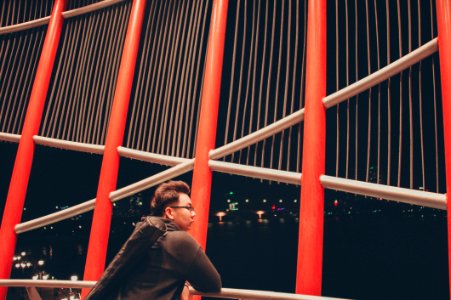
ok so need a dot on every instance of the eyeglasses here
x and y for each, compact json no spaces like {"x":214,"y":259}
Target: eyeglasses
{"x":188,"y":207}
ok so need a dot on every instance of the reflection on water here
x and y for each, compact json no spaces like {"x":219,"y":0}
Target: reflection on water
{"x":365,"y":256}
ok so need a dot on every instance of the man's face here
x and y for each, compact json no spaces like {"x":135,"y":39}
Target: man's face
{"x":182,"y":212}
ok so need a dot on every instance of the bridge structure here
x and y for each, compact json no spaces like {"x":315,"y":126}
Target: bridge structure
{"x":240,"y":87}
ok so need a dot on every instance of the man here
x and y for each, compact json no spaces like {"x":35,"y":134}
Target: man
{"x":160,"y":257}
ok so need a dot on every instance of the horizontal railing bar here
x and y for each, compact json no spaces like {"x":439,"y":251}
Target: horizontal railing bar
{"x":382,"y":74}
{"x":256,"y":172}
{"x":229,"y":293}
{"x":152,"y":181}
{"x":415,"y":197}
{"x":24,"y":25}
{"x":258,"y":135}
{"x":46,"y":283}
{"x":421,"y":198}
{"x":114,"y":196}
{"x":9,"y":137}
{"x":55,"y":217}
{"x":67,"y":14}
{"x":225,"y":292}
{"x":90,"y":8}
{"x":151,"y":157}
{"x":68,"y":145}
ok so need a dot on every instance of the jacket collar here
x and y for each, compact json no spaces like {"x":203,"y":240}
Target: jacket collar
{"x":163,"y":223}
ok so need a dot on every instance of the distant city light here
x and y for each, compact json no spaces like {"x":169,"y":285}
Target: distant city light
{"x":40,"y":262}
{"x":23,"y":253}
{"x":280,"y":200}
{"x":228,"y":200}
{"x":231,"y":193}
{"x":45,"y":277}
{"x":260,"y":213}
{"x":233,"y":206}
{"x":247,"y":200}
{"x":74,"y":278}
{"x":295,"y":200}
{"x":264,"y":200}
{"x":220,"y":214}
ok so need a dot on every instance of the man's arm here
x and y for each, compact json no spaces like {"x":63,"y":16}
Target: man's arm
{"x":194,"y":264}
{"x":202,"y":275}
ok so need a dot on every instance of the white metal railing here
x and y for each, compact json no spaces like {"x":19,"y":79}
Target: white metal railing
{"x":68,"y":145}
{"x":226,"y":293}
{"x":151,"y":157}
{"x":377,"y":77}
{"x":182,"y":166}
{"x":9,"y":137}
{"x":70,"y":284}
{"x":415,"y":197}
{"x":256,"y":172}
{"x":152,"y":181}
{"x":24,"y":25}
{"x":329,"y":101}
{"x":67,"y":14}
{"x":114,"y":196}
{"x":56,"y":217}
{"x":90,"y":8}
{"x":258,"y":135}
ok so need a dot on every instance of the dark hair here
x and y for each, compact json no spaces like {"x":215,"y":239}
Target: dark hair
{"x":166,"y":194}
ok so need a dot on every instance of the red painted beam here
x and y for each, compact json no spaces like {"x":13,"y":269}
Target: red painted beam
{"x":24,"y":158}
{"x":311,"y":221}
{"x":100,"y":229}
{"x":206,"y":134}
{"x":443,"y":8}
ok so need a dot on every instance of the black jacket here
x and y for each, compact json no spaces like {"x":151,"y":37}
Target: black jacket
{"x":154,"y":263}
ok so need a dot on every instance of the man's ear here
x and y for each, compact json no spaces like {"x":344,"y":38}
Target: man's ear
{"x":169,"y":213}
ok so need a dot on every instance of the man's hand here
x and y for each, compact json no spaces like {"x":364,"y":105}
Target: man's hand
{"x":185,"y":293}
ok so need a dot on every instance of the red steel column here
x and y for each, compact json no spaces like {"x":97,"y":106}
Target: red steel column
{"x":98,"y":240}
{"x":311,"y":221}
{"x":443,"y":8}
{"x":22,"y":167}
{"x":206,"y":134}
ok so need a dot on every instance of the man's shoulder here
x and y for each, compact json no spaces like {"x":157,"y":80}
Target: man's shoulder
{"x":183,"y":239}
{"x":153,"y":221}
{"x":182,"y":236}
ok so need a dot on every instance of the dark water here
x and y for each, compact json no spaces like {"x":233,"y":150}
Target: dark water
{"x":366,"y":256}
